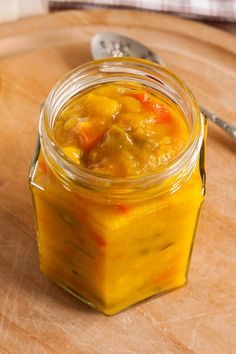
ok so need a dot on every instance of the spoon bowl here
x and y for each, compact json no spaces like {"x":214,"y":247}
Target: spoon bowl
{"x":105,"y":45}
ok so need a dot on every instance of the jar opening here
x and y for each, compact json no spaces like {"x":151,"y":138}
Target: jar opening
{"x":149,"y":75}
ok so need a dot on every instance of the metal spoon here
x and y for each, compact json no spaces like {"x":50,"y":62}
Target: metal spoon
{"x":105,"y":45}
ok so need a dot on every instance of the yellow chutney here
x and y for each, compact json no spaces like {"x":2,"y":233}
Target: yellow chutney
{"x":117,"y":180}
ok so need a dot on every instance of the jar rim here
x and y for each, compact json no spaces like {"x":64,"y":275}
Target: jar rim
{"x":106,"y":68}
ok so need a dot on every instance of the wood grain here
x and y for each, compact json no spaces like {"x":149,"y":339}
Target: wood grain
{"x":36,"y":317}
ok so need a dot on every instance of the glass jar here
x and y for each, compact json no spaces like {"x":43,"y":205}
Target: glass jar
{"x":113,"y":242}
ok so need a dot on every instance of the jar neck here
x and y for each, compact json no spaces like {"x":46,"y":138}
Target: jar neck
{"x":166,"y":178}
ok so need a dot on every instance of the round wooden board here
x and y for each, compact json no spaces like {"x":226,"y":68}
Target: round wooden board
{"x":38,"y":317}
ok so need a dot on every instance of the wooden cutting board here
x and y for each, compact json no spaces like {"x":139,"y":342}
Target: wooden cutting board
{"x":36,"y":316}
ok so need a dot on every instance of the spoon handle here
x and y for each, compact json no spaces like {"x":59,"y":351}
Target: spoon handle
{"x":228,"y":128}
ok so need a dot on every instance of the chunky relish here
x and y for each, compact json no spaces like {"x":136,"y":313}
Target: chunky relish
{"x":121,"y":130}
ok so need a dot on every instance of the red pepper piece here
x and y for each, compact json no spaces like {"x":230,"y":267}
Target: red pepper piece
{"x":122,"y":209}
{"x":142,"y":97}
{"x":43,"y":166}
{"x":98,"y":239}
{"x":162,"y":114}
{"x":168,"y":273}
